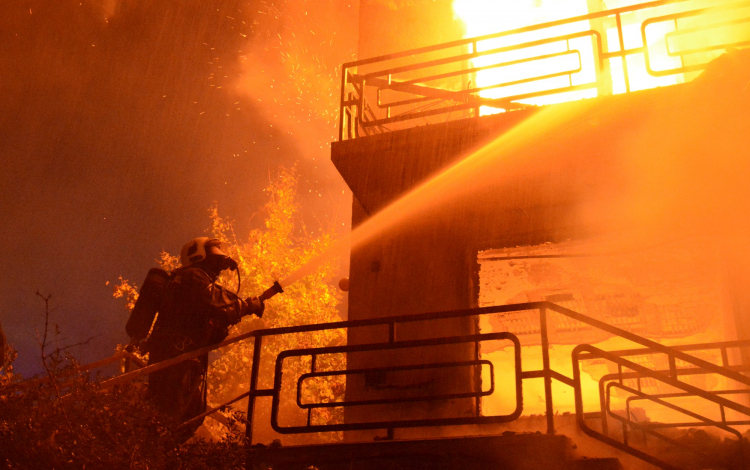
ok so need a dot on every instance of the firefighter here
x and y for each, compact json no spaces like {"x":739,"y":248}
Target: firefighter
{"x":194,"y":312}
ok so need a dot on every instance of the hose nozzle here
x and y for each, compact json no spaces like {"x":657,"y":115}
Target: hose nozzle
{"x":271,"y":291}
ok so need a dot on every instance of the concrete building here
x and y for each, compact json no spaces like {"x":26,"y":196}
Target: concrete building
{"x":612,"y":206}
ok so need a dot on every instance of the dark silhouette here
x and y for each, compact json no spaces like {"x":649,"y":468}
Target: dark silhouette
{"x":193,"y":312}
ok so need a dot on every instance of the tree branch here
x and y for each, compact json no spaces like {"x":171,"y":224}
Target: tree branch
{"x":43,"y":345}
{"x":80,"y":343}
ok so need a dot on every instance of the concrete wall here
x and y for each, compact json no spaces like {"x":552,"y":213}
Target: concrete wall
{"x":429,"y":264}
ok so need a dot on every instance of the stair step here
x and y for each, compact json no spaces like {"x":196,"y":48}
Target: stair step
{"x":608,"y":463}
{"x":517,"y":451}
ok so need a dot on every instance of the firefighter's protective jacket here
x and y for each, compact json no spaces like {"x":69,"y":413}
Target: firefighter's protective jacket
{"x":195,"y":312}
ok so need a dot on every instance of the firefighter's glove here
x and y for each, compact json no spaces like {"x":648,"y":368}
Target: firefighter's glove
{"x":135,"y":345}
{"x":256,"y":306}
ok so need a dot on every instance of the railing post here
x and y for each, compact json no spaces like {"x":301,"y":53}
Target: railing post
{"x":388,"y":109}
{"x":313,"y":361}
{"x":603,"y":407}
{"x":474,"y":51}
{"x":570,"y":74}
{"x":625,"y":426}
{"x":621,"y":39}
{"x":682,"y":57}
{"x":257,"y":342}
{"x":547,"y":375}
{"x":342,"y":98}
{"x":360,"y":109}
{"x":352,"y":117}
{"x":724,"y":357}
{"x":672,"y":367}
{"x":600,"y":46}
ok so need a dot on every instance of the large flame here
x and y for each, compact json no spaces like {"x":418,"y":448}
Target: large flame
{"x":483,"y":17}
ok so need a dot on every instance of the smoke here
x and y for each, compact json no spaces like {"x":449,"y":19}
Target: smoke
{"x":291,"y":67}
{"x":687,"y":166}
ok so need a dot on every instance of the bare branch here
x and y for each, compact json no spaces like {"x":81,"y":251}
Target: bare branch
{"x":80,"y":343}
{"x":43,"y":345}
{"x":46,"y":321}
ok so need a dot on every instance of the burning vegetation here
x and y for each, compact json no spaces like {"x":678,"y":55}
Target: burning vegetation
{"x":266,"y":255}
{"x":73,"y":419}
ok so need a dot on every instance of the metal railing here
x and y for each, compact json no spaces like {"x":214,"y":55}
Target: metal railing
{"x":434,"y":84}
{"x":629,"y":380}
{"x":627,"y":370}
{"x":390,"y":425}
{"x":69,"y":376}
{"x":583,"y":352}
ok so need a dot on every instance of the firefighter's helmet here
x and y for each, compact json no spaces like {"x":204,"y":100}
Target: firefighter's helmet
{"x":197,"y":249}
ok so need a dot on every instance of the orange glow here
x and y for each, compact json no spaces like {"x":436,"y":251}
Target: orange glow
{"x":483,"y":17}
{"x":569,"y":68}
{"x":567,"y":63}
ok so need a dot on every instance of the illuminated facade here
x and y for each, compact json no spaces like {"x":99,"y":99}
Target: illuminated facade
{"x":517,"y":201}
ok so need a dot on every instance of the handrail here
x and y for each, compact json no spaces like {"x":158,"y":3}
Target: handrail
{"x":547,"y":373}
{"x":128,"y":376}
{"x":671,"y":378}
{"x":679,"y":409}
{"x":742,"y":391}
{"x":466,"y":101}
{"x":525,"y":29}
{"x":720,"y":345}
{"x":392,"y":320}
{"x":671,"y":352}
{"x":581,"y":352}
{"x":33,"y":382}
